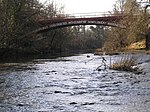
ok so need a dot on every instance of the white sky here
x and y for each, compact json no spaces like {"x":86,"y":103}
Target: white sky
{"x":85,"y":6}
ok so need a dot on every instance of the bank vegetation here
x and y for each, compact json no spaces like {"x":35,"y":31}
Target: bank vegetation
{"x":20,"y":17}
{"x":128,"y":63}
{"x":136,"y":22}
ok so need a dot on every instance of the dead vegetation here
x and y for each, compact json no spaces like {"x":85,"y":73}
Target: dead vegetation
{"x":127,"y":63}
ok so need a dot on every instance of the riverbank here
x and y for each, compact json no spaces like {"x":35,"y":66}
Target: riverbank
{"x":20,"y":55}
{"x":101,"y":52}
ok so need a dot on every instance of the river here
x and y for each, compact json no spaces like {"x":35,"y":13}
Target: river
{"x":72,"y":84}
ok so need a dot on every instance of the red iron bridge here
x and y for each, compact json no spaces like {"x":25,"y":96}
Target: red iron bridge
{"x":104,"y":19}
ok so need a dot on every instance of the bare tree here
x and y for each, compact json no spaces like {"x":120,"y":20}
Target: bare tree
{"x":134,"y":21}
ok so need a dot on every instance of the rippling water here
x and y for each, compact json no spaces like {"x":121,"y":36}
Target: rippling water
{"x":72,"y":84}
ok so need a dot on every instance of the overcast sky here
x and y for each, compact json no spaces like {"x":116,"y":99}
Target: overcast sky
{"x":85,"y":6}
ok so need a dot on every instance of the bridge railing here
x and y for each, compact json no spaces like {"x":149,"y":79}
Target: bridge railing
{"x":92,"y":14}
{"x":88,"y":15}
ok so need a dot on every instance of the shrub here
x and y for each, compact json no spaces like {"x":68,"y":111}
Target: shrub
{"x":127,"y":63}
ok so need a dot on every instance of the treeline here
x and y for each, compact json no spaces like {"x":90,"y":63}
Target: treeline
{"x":19,"y":17}
{"x":136,"y":22}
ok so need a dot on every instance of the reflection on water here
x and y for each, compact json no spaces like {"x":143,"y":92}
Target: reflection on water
{"x":72,"y":84}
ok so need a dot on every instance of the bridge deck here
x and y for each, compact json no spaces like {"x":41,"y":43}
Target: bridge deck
{"x":57,"y":20}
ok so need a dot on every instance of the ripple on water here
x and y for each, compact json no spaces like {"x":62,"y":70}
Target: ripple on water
{"x":71,"y":85}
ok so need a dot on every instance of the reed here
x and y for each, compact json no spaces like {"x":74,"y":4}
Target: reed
{"x":127,"y":63}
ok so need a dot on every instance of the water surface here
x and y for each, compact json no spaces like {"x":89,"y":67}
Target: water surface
{"x":72,"y":84}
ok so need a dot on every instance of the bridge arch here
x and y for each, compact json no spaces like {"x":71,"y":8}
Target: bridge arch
{"x":52,"y":24}
{"x":74,"y":23}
